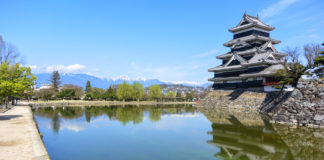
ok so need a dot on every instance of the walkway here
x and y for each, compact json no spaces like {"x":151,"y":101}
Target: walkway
{"x":19,"y":137}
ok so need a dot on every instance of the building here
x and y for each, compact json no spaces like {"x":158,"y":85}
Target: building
{"x":252,"y":61}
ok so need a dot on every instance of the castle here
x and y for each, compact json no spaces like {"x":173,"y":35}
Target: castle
{"x":253,"y":59}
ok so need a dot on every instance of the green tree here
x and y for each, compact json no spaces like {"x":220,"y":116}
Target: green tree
{"x":138,"y":91}
{"x":110,"y":94}
{"x":15,"y":81}
{"x":319,"y":62}
{"x":179,"y":95}
{"x":171,"y":94}
{"x":125,"y":91}
{"x":78,"y":91}
{"x":88,"y":87}
{"x":97,"y":93}
{"x":55,"y":80}
{"x":293,"y":69}
{"x":67,"y":93}
{"x":190,"y":95}
{"x":155,"y":92}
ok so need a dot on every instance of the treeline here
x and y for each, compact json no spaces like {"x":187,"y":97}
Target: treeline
{"x":122,"y":92}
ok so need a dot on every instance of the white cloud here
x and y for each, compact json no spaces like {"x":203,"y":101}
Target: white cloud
{"x":276,"y":8}
{"x":74,"y":128}
{"x":208,"y":53}
{"x":74,"y":68}
{"x":122,"y":77}
{"x":182,"y":73}
{"x":185,"y":82}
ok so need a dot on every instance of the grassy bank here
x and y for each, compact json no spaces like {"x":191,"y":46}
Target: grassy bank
{"x":99,"y":103}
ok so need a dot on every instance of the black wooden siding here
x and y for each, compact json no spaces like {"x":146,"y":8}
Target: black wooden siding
{"x":250,"y":32}
{"x":255,"y":83}
{"x":237,"y":73}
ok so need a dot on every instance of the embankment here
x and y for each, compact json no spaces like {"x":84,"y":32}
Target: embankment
{"x":19,"y":136}
{"x":304,"y":106}
{"x":100,"y":103}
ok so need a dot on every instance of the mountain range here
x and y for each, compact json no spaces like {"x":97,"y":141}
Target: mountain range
{"x":81,"y":79}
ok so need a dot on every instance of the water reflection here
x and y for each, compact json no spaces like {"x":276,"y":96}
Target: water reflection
{"x":249,"y":135}
{"x":123,"y":114}
{"x":234,"y":134}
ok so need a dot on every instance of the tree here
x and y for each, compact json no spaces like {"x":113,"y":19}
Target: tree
{"x":125,"y":91}
{"x":15,"y":81}
{"x":55,"y":80}
{"x":155,"y":92}
{"x":88,"y":87}
{"x":67,"y":93}
{"x":293,"y":69}
{"x":179,"y":95}
{"x":8,"y":53}
{"x":77,"y":90}
{"x":138,"y":91}
{"x":190,"y":95}
{"x":311,"y":51}
{"x":97,"y":93}
{"x":319,"y":62}
{"x":45,"y":94}
{"x":110,"y":94}
{"x":171,"y":94}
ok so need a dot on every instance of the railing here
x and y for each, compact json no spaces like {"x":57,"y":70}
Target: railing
{"x":270,"y":83}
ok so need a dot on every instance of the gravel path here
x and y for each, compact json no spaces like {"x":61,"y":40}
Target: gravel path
{"x":19,"y":137}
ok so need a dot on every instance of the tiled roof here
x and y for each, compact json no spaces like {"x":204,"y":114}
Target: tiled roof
{"x":222,"y":68}
{"x":250,"y":38}
{"x":251,"y":22}
{"x":252,"y":50}
{"x":269,"y":71}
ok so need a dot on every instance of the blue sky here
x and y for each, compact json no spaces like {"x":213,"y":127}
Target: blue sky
{"x":173,"y":40}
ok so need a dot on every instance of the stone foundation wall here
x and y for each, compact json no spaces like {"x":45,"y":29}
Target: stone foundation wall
{"x":238,"y":99}
{"x":305,"y":105}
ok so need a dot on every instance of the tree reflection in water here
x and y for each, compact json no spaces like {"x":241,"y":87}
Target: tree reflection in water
{"x":123,"y":114}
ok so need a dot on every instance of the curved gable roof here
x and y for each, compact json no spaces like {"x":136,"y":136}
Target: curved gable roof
{"x":248,"y":21}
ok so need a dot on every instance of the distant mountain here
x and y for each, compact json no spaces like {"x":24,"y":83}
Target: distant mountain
{"x":81,"y":79}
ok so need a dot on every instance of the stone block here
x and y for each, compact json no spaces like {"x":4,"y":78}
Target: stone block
{"x":318,"y":117}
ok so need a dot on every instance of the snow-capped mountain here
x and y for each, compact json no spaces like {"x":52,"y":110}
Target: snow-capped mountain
{"x":81,"y":79}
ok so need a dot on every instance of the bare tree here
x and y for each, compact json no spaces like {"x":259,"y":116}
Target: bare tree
{"x":8,"y":53}
{"x":293,"y":54}
{"x":311,"y":51}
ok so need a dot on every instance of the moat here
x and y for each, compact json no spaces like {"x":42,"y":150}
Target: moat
{"x":171,"y":132}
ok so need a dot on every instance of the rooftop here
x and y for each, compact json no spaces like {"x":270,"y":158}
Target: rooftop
{"x":253,"y":50}
{"x":248,"y":21}
{"x":250,"y":38}
{"x":271,"y":70}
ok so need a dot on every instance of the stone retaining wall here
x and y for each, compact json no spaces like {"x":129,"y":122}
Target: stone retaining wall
{"x":234,"y":99}
{"x":304,"y":106}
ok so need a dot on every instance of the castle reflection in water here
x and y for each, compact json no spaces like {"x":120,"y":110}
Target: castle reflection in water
{"x":249,"y":135}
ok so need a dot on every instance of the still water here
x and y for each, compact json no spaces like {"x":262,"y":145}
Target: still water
{"x":176,"y":132}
